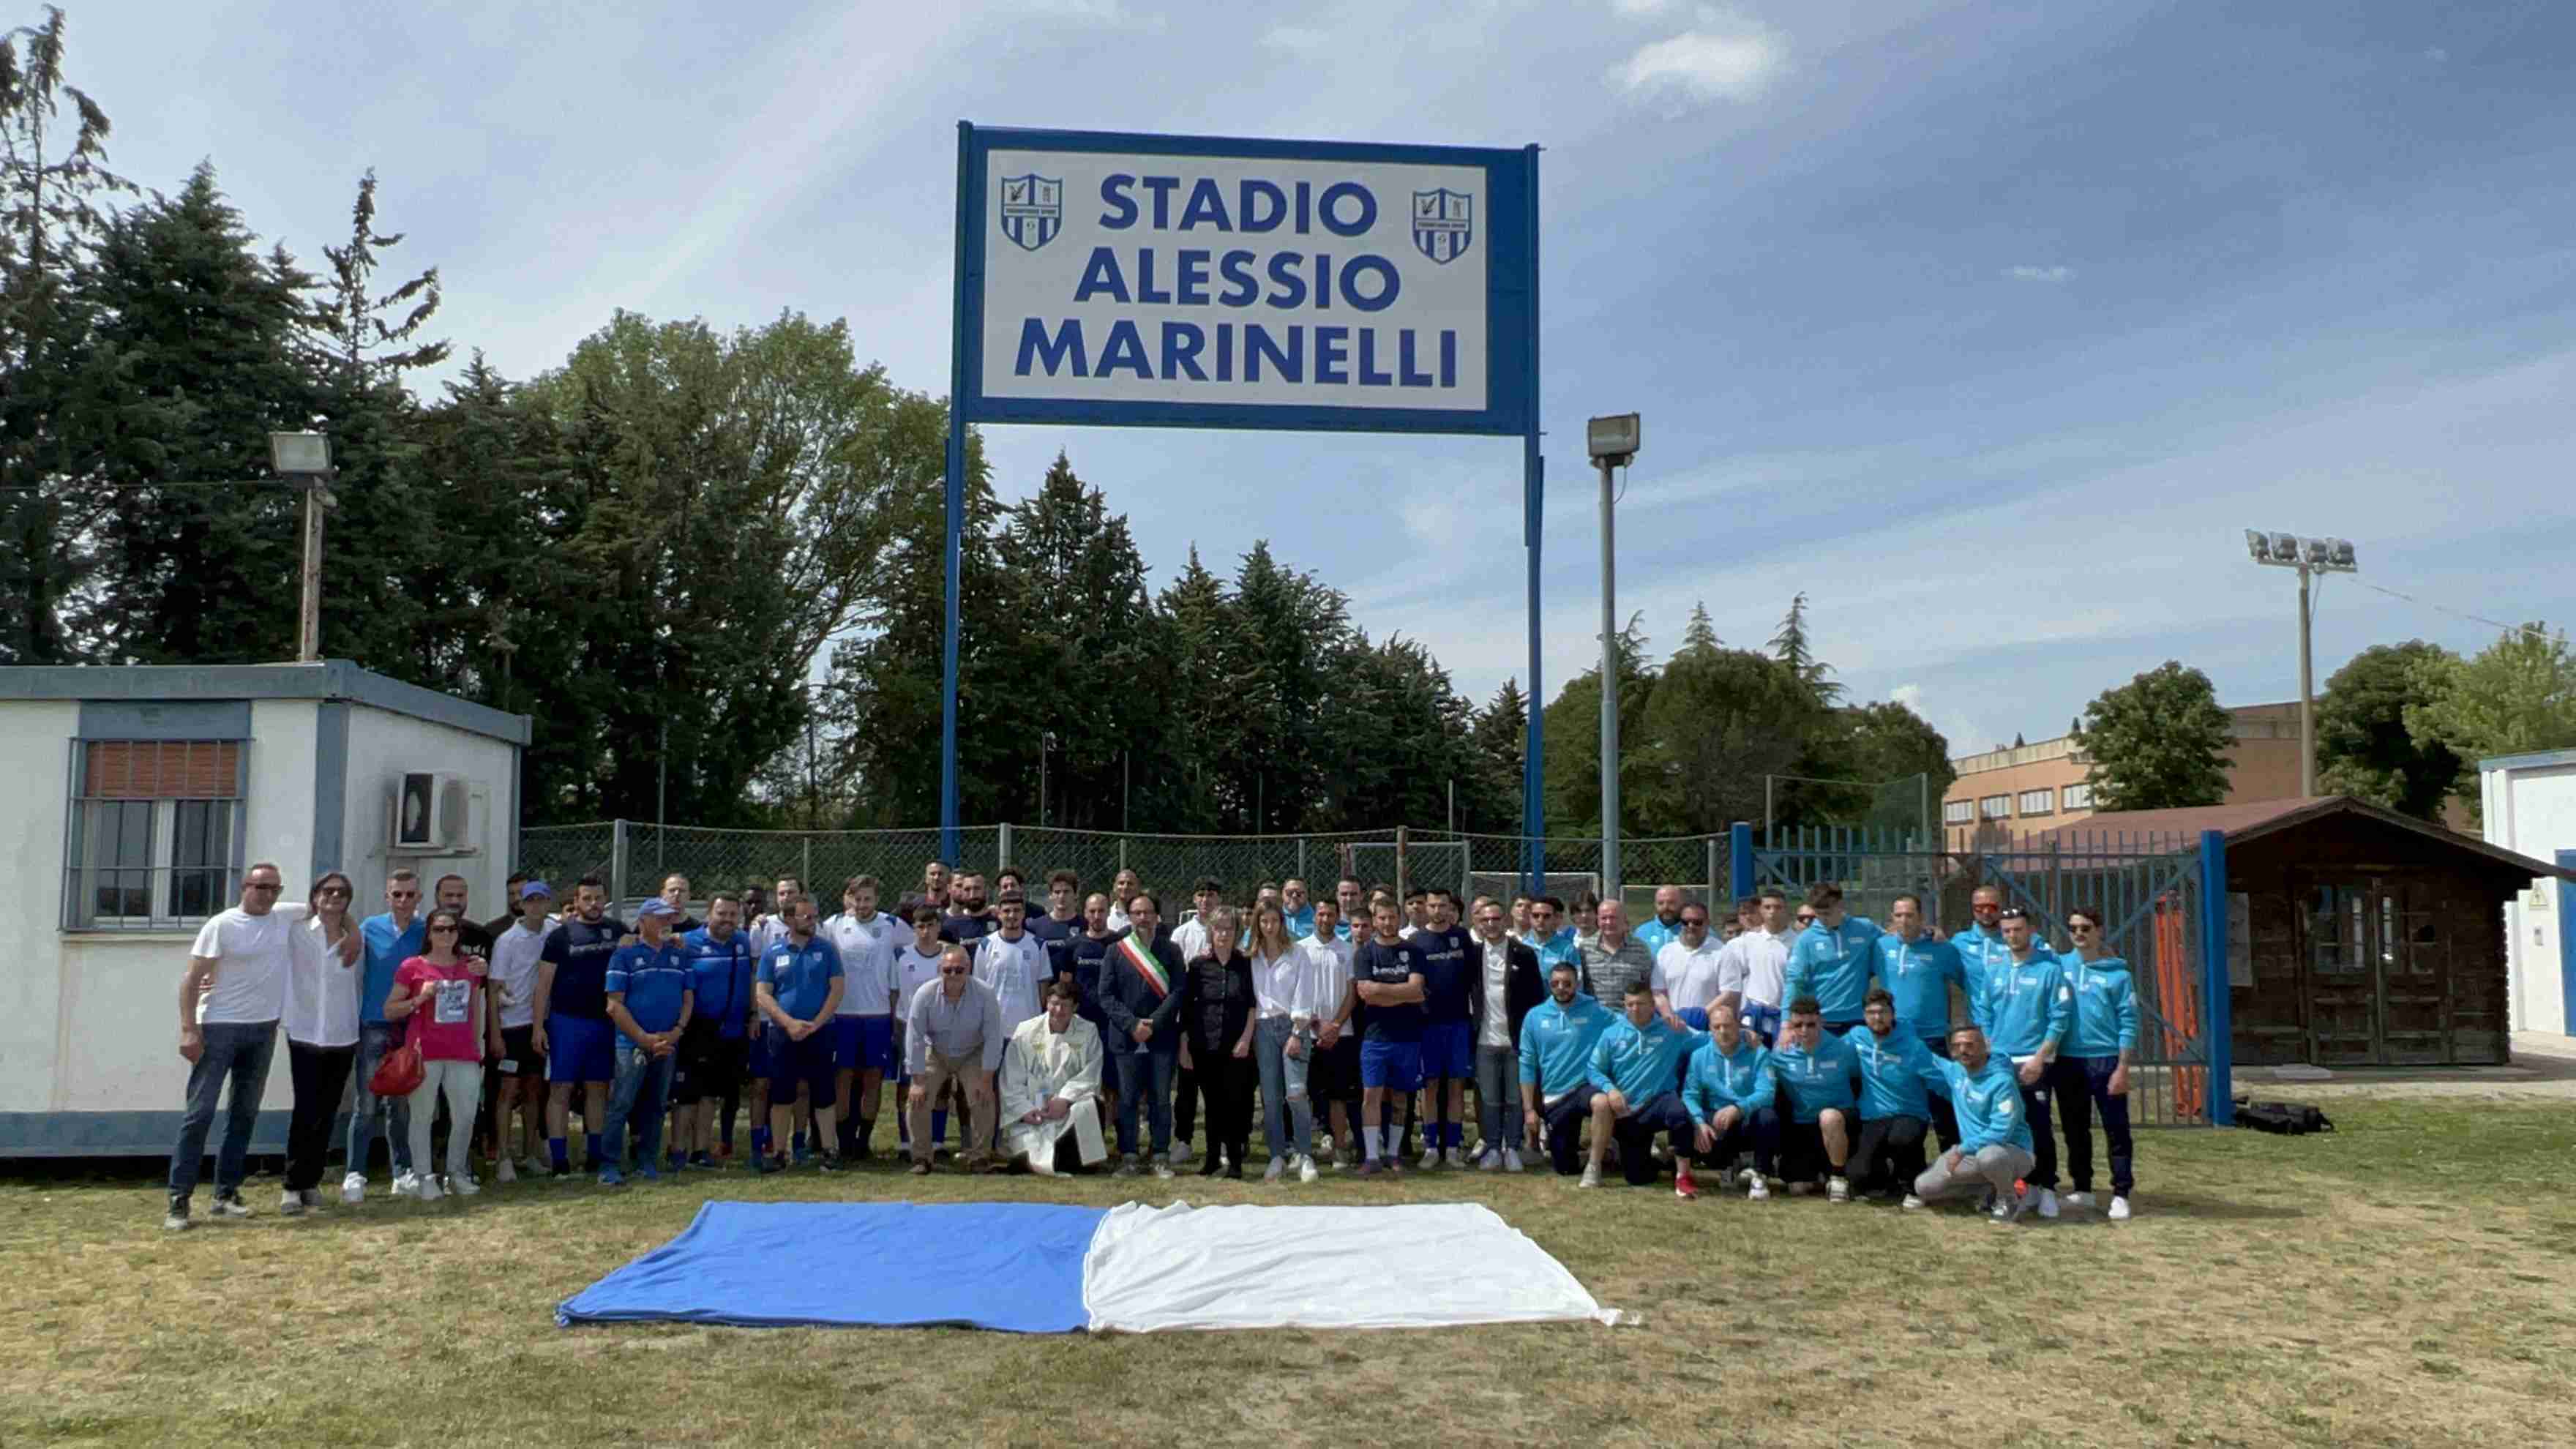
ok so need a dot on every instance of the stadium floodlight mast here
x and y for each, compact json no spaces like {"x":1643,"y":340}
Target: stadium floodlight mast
{"x":1612,"y":442}
{"x":2310,"y":556}
{"x":305,"y":460}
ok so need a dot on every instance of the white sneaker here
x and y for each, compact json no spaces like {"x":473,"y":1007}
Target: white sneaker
{"x":1278,"y":1168}
{"x":502,"y":1171}
{"x":1490,"y":1160}
{"x":426,"y":1188}
{"x":1838,"y":1189}
{"x":536,"y":1168}
{"x":1163,"y":1166}
{"x":2119,"y":1209}
{"x":407,"y":1184}
{"x":176,"y":1221}
{"x":2047,"y":1204}
{"x":1306,"y":1169}
{"x":2082,"y":1200}
{"x":1591,"y":1177}
{"x":1512,"y":1159}
{"x":1455,"y":1157}
{"x":463,"y":1184}
{"x":353,"y":1188}
{"x":229,"y":1207}
{"x":1911,"y":1203}
{"x":1182,"y":1151}
{"x":1760,"y":1191}
{"x":290,"y":1203}
{"x":1430,"y":1158}
{"x":1746,"y":1177}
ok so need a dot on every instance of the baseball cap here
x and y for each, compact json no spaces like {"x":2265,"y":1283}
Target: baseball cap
{"x":656,"y":907}
{"x":536,"y":888}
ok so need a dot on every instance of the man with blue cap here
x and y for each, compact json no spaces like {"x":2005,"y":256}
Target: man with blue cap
{"x":650,"y":995}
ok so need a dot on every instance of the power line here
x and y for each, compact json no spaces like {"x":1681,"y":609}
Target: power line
{"x":2540,"y":634}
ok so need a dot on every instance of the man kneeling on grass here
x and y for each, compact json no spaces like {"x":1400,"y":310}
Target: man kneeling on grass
{"x":1729,"y":1091}
{"x":1994,"y":1132}
{"x":1636,"y":1074}
{"x":1051,"y":1088}
{"x":1819,"y":1076}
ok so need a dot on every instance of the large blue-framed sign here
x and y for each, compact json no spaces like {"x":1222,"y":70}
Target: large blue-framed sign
{"x":1198,"y":281}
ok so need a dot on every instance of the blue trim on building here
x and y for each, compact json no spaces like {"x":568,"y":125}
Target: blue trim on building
{"x":122,"y":1134}
{"x":1511,"y":316}
{"x":332,"y":679}
{"x":2566,"y":946}
{"x":2540,"y":760}
{"x":330,"y":785}
{"x":120,"y":719}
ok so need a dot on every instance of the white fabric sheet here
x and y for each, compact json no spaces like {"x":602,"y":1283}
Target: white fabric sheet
{"x":1422,"y":1265}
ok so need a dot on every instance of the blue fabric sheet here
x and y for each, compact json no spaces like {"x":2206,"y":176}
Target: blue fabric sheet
{"x":1010,"y":1266}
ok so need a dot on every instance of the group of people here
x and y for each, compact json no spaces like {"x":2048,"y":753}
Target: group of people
{"x":1815,"y":1053}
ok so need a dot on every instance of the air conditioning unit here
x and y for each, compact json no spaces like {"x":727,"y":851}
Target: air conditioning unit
{"x":429,"y":810}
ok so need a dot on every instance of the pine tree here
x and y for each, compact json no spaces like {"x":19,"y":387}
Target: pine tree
{"x":1790,"y":647}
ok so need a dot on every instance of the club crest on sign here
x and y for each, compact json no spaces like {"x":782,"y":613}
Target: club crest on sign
{"x":1443,"y":223}
{"x":1032,"y":209}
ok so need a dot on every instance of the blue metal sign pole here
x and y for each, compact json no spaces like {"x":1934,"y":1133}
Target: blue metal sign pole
{"x":1533,"y":510}
{"x":966,"y":194}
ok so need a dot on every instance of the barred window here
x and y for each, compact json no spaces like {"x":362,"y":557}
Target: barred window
{"x":156,"y":833}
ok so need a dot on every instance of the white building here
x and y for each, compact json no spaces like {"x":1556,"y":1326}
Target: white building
{"x":139,"y":796}
{"x":2530,"y":806}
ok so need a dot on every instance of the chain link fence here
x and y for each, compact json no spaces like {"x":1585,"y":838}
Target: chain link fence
{"x":634,"y":857}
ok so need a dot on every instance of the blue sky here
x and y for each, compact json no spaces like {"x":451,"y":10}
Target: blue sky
{"x":1989,"y":326}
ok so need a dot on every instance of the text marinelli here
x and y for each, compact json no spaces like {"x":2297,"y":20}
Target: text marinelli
{"x":1272,"y":282}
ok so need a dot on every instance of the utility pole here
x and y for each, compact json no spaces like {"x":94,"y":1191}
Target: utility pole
{"x":305,"y":458}
{"x":2310,"y":556}
{"x":1612,"y":442}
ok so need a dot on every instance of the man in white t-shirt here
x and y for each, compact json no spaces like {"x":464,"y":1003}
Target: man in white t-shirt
{"x":1013,"y":963}
{"x":1753,"y":969}
{"x":519,"y":1072}
{"x":1686,"y":977}
{"x":863,"y":1026}
{"x":230,"y":1000}
{"x":915,"y":965}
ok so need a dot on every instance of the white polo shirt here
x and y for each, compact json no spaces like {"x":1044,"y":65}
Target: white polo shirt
{"x":1688,"y":978}
{"x":255,"y":961}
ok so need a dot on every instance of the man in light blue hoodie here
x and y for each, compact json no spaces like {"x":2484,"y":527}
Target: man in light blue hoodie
{"x":1557,"y":1038}
{"x":1819,"y":1075}
{"x":1995,"y":1141}
{"x":1899,"y":1081}
{"x":1729,"y":1091}
{"x":1833,"y":959}
{"x":2092,"y":1074}
{"x":1636,"y":1088}
{"x":1981,"y":946}
{"x":2024,"y":1017}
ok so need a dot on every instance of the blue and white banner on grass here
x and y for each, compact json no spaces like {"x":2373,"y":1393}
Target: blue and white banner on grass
{"x":1037,"y":1268}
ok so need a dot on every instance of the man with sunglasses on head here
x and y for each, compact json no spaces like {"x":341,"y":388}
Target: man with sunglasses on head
{"x":2024,"y":1016}
{"x":390,"y":939}
{"x":1753,"y":969}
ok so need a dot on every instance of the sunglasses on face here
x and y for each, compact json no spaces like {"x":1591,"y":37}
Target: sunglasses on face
{"x":326,"y":890}
{"x":450,"y":930}
{"x":262,"y":885}
{"x":952,"y":970}
{"x":402,"y":895}
{"x":2079,"y":926}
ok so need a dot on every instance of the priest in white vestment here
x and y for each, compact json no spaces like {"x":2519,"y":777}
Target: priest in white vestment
{"x":1051,"y":1087}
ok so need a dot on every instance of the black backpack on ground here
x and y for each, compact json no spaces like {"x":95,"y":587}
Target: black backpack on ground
{"x":2291,"y":1118}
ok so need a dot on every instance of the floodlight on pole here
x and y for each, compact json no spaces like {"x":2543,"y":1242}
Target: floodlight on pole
{"x":2310,"y":556}
{"x":305,"y":459}
{"x":1612,"y":442}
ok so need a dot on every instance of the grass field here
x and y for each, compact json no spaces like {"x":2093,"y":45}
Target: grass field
{"x":2409,"y":1280}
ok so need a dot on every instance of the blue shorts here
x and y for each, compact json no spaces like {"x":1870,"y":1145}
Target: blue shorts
{"x":762,"y":1057}
{"x":862,"y":1043}
{"x":580,"y":1049}
{"x":1449,"y":1049}
{"x":1394,"y":1065}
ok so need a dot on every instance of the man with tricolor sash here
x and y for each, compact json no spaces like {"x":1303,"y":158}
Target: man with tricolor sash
{"x":1139,"y":980}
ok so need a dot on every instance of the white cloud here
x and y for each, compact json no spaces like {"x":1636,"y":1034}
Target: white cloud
{"x":1702,"y":66}
{"x":1109,"y":13}
{"x":2437,"y":54}
{"x":1640,"y":7}
{"x":2027,"y":273}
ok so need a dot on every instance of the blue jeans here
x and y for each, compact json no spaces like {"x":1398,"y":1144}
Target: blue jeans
{"x":641,"y":1092}
{"x":2082,"y":1086}
{"x":1498,"y":1100}
{"x":239,"y":1053}
{"x":374,"y":1040}
{"x":1145,"y":1079}
{"x":1287,"y":1113}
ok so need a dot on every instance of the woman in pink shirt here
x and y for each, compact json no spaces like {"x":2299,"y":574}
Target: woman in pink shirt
{"x":439,"y":990}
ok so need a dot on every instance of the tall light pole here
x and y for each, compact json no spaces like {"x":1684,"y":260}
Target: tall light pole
{"x":1612,"y":442}
{"x":2310,"y":556}
{"x":1046,"y":746}
{"x":305,"y":458}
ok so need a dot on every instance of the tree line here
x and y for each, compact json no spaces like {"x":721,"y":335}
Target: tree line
{"x":649,"y":547}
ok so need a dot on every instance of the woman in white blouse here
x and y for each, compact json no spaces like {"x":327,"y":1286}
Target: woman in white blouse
{"x":1283,"y":1041}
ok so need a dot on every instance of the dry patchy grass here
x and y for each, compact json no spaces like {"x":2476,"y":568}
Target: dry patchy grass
{"x":2408,"y":1280}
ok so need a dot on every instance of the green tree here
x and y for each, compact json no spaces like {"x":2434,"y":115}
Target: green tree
{"x":2158,"y":742}
{"x":2516,"y":696}
{"x":1791,"y":647}
{"x":55,"y":191}
{"x":1571,"y":780}
{"x":2363,"y":746}
{"x":1905,"y":759}
{"x":1718,"y":721}
{"x":1499,"y":734}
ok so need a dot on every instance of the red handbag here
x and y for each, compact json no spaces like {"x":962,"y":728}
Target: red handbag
{"x":400,"y":1072}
